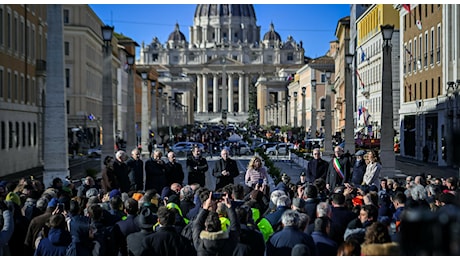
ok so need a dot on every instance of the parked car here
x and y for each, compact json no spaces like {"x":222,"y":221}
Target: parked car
{"x":266,"y":146}
{"x":95,"y":151}
{"x":186,"y":147}
{"x":242,"y":146}
{"x":282,"y":148}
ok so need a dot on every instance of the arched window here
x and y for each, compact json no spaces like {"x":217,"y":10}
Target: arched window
{"x":322,"y":103}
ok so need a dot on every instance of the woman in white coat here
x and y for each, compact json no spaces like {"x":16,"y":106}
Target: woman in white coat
{"x":372,"y":174}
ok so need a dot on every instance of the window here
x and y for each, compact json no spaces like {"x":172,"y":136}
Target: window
{"x":235,"y":57}
{"x":175,"y":58}
{"x":425,"y":53}
{"x":17,"y":134}
{"x":67,"y":106}
{"x":155,"y":57}
{"x":30,"y":133}
{"x":290,"y":56}
{"x":8,"y":30}
{"x":15,"y":34}
{"x":432,"y":46}
{"x":8,"y":85}
{"x":438,"y":44}
{"x":270,"y":58}
{"x":35,"y":134}
{"x":23,"y":134}
{"x":1,"y":26}
{"x":15,"y":87}
{"x":66,"y":16}
{"x":67,"y":48}
{"x":67,"y":78}
{"x":322,"y":103}
{"x":10,"y":134}
{"x":3,"y":136}
{"x":1,"y":83}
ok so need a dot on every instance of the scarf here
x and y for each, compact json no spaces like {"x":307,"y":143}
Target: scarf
{"x":338,"y":167}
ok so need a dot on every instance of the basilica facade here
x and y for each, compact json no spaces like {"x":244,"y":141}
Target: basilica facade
{"x":212,"y":72}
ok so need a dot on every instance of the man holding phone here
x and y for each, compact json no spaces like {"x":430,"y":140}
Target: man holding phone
{"x":225,"y":170}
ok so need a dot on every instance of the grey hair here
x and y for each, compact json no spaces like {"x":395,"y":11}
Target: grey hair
{"x":290,"y":218}
{"x":283,"y":200}
{"x":304,"y":220}
{"x":275,"y":195}
{"x":187,"y":193}
{"x":323,"y":209}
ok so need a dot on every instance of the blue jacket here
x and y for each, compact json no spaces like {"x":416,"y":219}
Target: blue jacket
{"x":55,"y":244}
{"x":282,"y":242}
{"x":324,"y":245}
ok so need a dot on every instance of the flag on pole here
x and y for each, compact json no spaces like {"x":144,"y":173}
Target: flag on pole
{"x":407,"y":7}
{"x":360,"y":112}
{"x":363,"y":54}
{"x":408,"y":52}
{"x":359,"y":77}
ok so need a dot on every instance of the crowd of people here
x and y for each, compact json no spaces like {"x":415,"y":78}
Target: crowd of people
{"x":340,"y":207}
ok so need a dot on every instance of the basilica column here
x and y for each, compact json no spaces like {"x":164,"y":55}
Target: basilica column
{"x":205,"y":93}
{"x":246,"y":92}
{"x":215,"y":94}
{"x":230,"y":92}
{"x":241,"y":93}
{"x":199,"y":93}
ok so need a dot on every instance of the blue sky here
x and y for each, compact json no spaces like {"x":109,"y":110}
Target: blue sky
{"x":313,"y":24}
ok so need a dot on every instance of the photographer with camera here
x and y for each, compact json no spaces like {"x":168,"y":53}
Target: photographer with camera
{"x":208,"y":237}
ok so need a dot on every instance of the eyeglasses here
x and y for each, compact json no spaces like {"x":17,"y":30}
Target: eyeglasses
{"x":315,"y":153}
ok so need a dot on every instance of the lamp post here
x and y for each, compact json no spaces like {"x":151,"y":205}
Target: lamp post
{"x":295,"y":109}
{"x":387,"y":155}
{"x":313,"y":109}
{"x":131,"y":115}
{"x":224,"y":91}
{"x":145,"y":116}
{"x":447,"y":143}
{"x":327,"y":117}
{"x":288,"y":103}
{"x":154,"y":112}
{"x":304,"y":121}
{"x":108,"y":141}
{"x":349,"y":122}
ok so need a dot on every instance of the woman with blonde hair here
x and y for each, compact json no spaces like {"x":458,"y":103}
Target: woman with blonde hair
{"x":256,"y":174}
{"x":372,"y":174}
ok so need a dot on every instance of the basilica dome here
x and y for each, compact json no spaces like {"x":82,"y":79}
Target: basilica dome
{"x":208,"y":10}
{"x":272,"y":35}
{"x":177,"y":35}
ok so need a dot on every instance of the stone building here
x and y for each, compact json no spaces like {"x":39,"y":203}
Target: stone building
{"x":212,"y":73}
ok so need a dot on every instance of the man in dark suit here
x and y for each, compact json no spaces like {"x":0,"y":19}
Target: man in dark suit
{"x":338,"y":171}
{"x":174,"y":172}
{"x":197,"y":166}
{"x":225,"y":170}
{"x":317,"y":167}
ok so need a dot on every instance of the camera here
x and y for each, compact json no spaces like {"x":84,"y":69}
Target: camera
{"x":217,"y":196}
{"x":60,"y":207}
{"x":261,"y":181}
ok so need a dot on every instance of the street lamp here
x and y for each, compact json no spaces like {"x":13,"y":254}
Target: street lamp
{"x":295,"y":108}
{"x":327,"y":117}
{"x":144,"y":115}
{"x":108,"y":140}
{"x":313,"y":110}
{"x":387,"y":155}
{"x":349,"y":122}
{"x":154,"y":112}
{"x":131,"y":115}
{"x":304,"y":121}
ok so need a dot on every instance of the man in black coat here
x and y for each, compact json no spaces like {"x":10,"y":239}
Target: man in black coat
{"x":136,"y":170}
{"x":317,"y":167}
{"x":174,"y":172}
{"x":338,"y":171}
{"x":197,"y":166}
{"x":359,"y":168}
{"x":155,"y":172}
{"x":121,"y":170}
{"x":225,"y":170}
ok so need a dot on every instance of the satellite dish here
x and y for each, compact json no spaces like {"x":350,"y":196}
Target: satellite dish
{"x":419,"y":24}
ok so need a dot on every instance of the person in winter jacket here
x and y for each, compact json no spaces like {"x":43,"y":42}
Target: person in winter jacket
{"x":208,"y":237}
{"x":57,"y":240}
